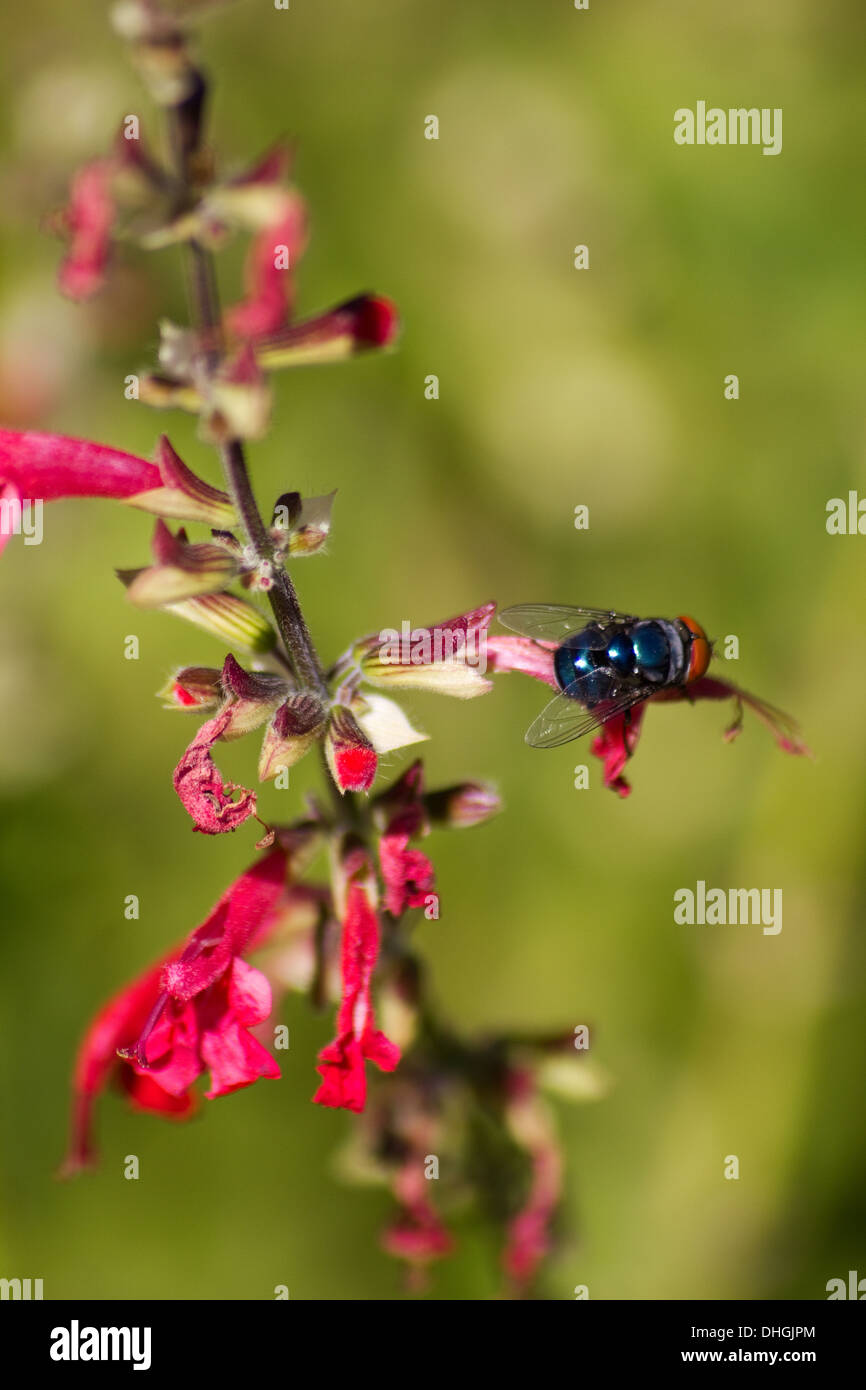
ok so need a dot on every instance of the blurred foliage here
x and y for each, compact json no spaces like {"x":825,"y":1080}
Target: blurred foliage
{"x":558,"y":387}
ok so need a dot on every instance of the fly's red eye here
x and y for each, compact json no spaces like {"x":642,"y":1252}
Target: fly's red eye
{"x":700,"y":651}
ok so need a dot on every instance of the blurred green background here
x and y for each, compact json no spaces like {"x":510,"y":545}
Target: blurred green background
{"x":558,"y":387}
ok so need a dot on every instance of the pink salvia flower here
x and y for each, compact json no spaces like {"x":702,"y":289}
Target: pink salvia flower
{"x":116,"y":1025}
{"x":211,"y":1033}
{"x":187,"y":1013}
{"x":784,"y":729}
{"x":344,"y":1081}
{"x":88,"y":220}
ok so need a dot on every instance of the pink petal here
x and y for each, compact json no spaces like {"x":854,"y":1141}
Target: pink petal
{"x":239,"y":921}
{"x":51,"y":466}
{"x":408,"y":874}
{"x":524,"y":655}
{"x":269,"y":290}
{"x":88,"y":220}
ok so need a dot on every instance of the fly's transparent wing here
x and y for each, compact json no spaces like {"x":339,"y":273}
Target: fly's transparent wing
{"x":565,"y":718}
{"x":553,"y":622}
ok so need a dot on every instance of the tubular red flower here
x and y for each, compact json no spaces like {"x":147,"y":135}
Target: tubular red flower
{"x":344,"y":1081}
{"x":529,"y":1240}
{"x":187,"y":1013}
{"x":365,"y":322}
{"x":116,"y":1025}
{"x":617,"y":739}
{"x":50,"y":466}
{"x":448,"y":657}
{"x":47,"y":467}
{"x":210,"y":1032}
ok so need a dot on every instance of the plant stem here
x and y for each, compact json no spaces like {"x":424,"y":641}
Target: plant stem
{"x":282,"y":596}
{"x":185,"y":135}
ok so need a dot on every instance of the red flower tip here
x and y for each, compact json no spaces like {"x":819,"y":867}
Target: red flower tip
{"x":376,"y":321}
{"x":184,"y":697}
{"x":351,"y":756}
{"x":356,"y":769}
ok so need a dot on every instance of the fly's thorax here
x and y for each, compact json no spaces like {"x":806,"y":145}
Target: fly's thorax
{"x":661,"y":651}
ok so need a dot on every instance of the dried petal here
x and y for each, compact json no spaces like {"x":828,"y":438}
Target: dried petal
{"x":201,"y":788}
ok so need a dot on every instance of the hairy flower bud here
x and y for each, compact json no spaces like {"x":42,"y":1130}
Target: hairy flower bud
{"x":351,"y":756}
{"x":296,"y":726}
{"x":251,"y":697}
{"x":193,"y":687}
{"x":301,"y":525}
{"x":469,"y":803}
{"x":182,"y":571}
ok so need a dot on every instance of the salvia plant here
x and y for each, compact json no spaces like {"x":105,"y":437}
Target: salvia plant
{"x":430,"y":1102}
